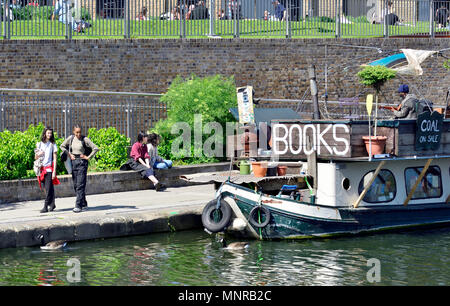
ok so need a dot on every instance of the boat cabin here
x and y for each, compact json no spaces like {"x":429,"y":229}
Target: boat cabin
{"x":333,"y":155}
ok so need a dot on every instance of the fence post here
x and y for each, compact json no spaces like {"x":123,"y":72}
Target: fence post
{"x":129,"y":119}
{"x":288,"y":15}
{"x":6,"y":20}
{"x":183,"y":12}
{"x":68,"y":21}
{"x":338,"y":19}
{"x":385,"y":20}
{"x":126,"y":20}
{"x":432,"y":19}
{"x":236,"y":17}
{"x":1,"y":113}
{"x":212,"y":17}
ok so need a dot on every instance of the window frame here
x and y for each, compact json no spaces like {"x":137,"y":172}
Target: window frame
{"x":377,"y":202}
{"x":428,"y":197}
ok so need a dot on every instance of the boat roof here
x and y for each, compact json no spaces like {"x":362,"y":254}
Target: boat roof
{"x":268,"y":114}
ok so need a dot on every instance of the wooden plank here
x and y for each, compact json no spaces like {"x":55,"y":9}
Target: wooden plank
{"x":410,"y":151}
{"x":366,"y":188}
{"x":407,"y":139}
{"x":419,"y":179}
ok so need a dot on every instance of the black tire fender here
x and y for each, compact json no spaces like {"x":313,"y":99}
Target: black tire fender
{"x":208,"y":219}
{"x":253,"y":216}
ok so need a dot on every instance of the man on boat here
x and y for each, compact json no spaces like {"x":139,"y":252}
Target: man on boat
{"x":407,"y":108}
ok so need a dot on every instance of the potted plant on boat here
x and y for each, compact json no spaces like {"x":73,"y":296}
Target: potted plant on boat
{"x":375,"y":76}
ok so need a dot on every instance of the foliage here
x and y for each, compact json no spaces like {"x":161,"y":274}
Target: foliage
{"x":85,"y":15}
{"x":359,"y":19}
{"x":376,"y":76}
{"x":113,"y":148}
{"x":211,"y":97}
{"x":23,"y":13}
{"x":44,"y":12}
{"x":17,"y":152}
{"x":447,"y":64}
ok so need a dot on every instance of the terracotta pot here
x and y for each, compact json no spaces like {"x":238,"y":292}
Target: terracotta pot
{"x":259,"y":169}
{"x":282,"y":170}
{"x":378,"y":143}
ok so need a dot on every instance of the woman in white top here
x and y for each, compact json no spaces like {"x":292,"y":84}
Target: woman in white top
{"x":47,"y":150}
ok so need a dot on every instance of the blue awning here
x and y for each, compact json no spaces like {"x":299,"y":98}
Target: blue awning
{"x":389,"y":61}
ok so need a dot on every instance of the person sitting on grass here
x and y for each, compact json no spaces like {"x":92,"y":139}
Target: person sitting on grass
{"x":157,"y":161}
{"x":140,"y":161}
{"x":64,"y":10}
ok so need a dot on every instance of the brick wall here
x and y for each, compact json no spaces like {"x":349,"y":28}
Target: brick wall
{"x":275,"y":67}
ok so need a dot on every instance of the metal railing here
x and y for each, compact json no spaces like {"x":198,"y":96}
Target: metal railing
{"x":129,"y":113}
{"x":224,"y":18}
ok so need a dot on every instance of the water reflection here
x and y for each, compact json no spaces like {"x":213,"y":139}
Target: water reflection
{"x":195,"y":258}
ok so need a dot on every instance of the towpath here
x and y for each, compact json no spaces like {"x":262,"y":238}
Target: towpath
{"x":108,"y":215}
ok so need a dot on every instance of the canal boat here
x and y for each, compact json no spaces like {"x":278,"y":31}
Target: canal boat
{"x":334,"y":186}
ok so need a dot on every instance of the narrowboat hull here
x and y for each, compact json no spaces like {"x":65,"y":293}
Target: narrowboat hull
{"x":313,"y":220}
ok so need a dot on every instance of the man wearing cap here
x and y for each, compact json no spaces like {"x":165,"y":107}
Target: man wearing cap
{"x":407,"y":108}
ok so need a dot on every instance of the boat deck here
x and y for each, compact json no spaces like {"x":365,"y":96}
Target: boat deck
{"x":237,"y":178}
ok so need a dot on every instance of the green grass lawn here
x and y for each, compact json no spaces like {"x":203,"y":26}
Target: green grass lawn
{"x":115,"y":28}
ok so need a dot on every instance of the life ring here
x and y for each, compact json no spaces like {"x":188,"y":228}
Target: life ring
{"x":253,"y":216}
{"x":215,"y":220}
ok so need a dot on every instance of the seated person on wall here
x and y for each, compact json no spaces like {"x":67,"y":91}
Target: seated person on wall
{"x":152,"y":147}
{"x":407,"y":108}
{"x":140,"y":161}
{"x":64,"y":10}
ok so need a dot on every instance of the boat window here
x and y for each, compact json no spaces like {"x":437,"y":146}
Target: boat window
{"x":429,"y":187}
{"x":383,"y":188}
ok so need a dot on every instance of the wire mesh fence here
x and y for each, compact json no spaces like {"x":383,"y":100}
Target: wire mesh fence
{"x":224,"y":18}
{"x":61,"y":110}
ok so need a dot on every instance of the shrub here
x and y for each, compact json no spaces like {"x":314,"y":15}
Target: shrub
{"x":23,"y":13}
{"x":376,"y":76}
{"x":44,"y":12}
{"x":113,"y":148}
{"x":85,"y":15}
{"x":212,"y":97}
{"x":17,"y":152}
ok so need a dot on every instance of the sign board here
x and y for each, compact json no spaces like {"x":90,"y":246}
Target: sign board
{"x":245,"y":105}
{"x":429,"y":131}
{"x":298,"y":140}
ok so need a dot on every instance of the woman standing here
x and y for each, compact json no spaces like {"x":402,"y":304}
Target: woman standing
{"x":140,"y":161}
{"x":46,"y":150}
{"x":80,"y":149}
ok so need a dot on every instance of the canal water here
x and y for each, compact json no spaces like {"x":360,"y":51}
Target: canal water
{"x":420,"y":257}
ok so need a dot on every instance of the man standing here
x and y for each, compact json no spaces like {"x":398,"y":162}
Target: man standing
{"x":80,"y":150}
{"x":407,"y":108}
{"x":280,"y":10}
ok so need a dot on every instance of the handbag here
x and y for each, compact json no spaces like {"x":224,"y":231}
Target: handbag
{"x":38,"y":163}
